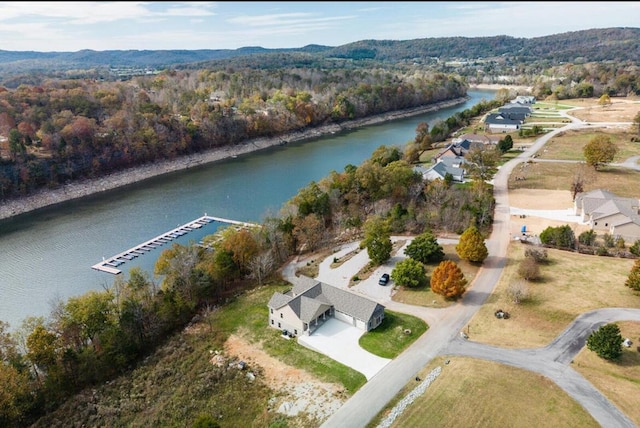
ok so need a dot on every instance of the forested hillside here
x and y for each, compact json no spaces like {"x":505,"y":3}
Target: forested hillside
{"x":70,"y":129}
{"x":620,"y":45}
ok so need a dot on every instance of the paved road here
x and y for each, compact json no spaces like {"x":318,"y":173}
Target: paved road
{"x":442,"y":338}
{"x":553,"y":361}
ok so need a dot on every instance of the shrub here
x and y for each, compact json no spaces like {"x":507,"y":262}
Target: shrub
{"x":588,"y":237}
{"x":529,"y":269}
{"x":561,"y":237}
{"x":608,"y":240}
{"x":518,"y":291}
{"x":538,"y":254}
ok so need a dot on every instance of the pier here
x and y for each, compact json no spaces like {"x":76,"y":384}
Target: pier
{"x":111,"y":264}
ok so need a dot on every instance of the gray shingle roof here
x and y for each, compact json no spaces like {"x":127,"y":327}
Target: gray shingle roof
{"x":315,"y":299}
{"x":350,"y":303}
{"x":279,"y":300}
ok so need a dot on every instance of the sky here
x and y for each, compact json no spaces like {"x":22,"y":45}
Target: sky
{"x":73,"y":26}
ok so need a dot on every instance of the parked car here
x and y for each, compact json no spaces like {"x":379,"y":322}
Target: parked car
{"x":384,"y":279}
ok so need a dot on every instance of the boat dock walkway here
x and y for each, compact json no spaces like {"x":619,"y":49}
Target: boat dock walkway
{"x":111,"y":264}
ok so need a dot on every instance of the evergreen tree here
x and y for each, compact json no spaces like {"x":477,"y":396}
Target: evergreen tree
{"x":448,"y":280}
{"x":633,"y":281}
{"x":471,"y":246}
{"x":606,"y":342}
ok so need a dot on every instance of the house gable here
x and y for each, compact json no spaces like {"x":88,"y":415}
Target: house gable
{"x":604,"y":210}
{"x":310,"y":302}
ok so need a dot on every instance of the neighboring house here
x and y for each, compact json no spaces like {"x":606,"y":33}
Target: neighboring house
{"x":477,"y":138}
{"x":524,"y":99}
{"x":446,"y":165}
{"x":609,"y":213}
{"x":309,"y":304}
{"x":455,"y":150}
{"x":501,"y":122}
{"x":515,"y":110}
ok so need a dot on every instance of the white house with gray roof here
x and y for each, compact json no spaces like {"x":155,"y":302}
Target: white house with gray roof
{"x":609,"y":213}
{"x":309,"y":304}
{"x":445,"y":165}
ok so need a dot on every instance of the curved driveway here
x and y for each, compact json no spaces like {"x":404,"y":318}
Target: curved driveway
{"x":442,"y":338}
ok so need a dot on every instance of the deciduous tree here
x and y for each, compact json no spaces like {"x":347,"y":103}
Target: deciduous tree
{"x":425,"y":248}
{"x":582,"y":176}
{"x":377,"y":240}
{"x":471,"y":246}
{"x":409,"y":273}
{"x":599,"y":151}
{"x":518,"y":291}
{"x":448,"y":280}
{"x":529,"y":269}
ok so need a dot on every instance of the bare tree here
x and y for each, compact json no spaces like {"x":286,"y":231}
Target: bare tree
{"x":583,"y":175}
{"x":262,"y":266}
{"x":518,"y":291}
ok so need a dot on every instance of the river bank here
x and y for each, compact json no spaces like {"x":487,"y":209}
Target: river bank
{"x":48,"y":197}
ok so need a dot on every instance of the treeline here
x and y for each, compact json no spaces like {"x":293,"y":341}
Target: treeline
{"x":595,"y":45}
{"x":68,"y":130}
{"x":89,"y":339}
{"x":607,"y":44}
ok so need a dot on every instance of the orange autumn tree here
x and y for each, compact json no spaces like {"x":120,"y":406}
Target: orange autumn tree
{"x":448,"y":280}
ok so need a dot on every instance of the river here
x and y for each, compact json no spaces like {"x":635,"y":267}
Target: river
{"x":47,"y":254}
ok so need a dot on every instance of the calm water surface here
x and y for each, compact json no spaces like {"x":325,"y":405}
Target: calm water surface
{"x":46,"y":255}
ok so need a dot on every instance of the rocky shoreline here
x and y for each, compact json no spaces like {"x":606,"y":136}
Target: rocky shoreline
{"x":75,"y":190}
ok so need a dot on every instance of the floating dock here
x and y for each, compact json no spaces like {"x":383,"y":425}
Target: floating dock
{"x":111,"y":264}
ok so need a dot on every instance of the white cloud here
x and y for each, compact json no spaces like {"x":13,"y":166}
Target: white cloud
{"x":70,"y":26}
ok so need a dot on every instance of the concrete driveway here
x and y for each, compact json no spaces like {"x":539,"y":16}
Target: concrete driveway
{"x":339,"y":341}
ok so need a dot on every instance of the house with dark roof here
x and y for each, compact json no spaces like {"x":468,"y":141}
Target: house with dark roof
{"x":502,"y":122}
{"x":609,"y":213}
{"x":310,"y":303}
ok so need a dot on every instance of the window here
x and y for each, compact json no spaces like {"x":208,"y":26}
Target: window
{"x":295,"y":331}
{"x":281,"y":315}
{"x":279,"y":326}
{"x":271,"y":322}
{"x":271,"y":310}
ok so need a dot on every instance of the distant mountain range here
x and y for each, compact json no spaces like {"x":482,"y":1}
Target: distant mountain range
{"x":610,"y":44}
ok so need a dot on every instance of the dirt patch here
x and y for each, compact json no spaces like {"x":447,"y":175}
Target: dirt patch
{"x":298,"y":393}
{"x":540,"y":199}
{"x":618,"y":111}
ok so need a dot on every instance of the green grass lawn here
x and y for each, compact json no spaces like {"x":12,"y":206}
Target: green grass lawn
{"x":248,"y":317}
{"x":396,"y":333}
